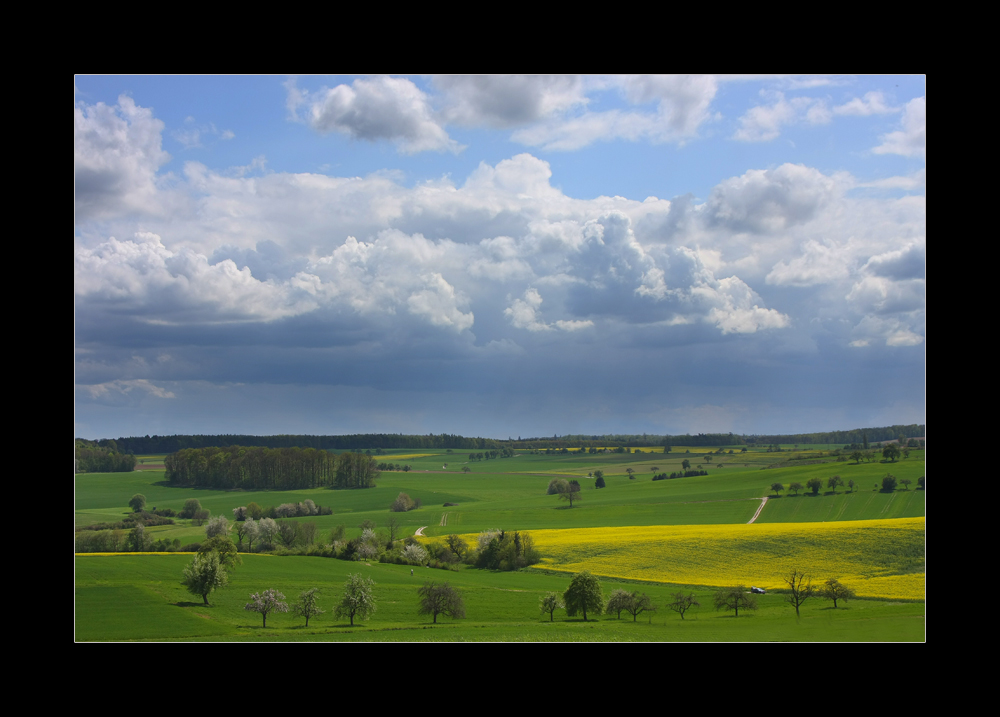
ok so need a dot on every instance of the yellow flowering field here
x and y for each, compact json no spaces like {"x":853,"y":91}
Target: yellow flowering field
{"x":876,"y":558}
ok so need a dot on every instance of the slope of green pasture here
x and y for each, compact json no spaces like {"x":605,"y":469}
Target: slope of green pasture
{"x":860,"y":505}
{"x":499,"y":607}
{"x":129,"y":612}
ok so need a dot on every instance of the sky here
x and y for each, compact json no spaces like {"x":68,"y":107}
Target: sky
{"x":498,"y":256}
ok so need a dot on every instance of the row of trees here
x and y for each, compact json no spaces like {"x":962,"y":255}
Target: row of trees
{"x":358,"y":601}
{"x":251,"y":468}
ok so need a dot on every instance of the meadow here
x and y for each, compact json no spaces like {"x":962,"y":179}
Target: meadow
{"x":657,"y":537}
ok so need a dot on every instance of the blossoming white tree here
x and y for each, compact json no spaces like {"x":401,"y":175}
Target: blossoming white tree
{"x":358,"y":598}
{"x":266,"y":602}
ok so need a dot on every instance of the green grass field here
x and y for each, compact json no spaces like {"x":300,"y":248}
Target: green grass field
{"x":139,"y":597}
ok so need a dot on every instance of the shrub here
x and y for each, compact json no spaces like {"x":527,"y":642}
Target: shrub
{"x":191,"y":505}
{"x":402,"y":504}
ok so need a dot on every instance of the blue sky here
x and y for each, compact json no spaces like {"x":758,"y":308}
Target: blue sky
{"x":498,"y":255}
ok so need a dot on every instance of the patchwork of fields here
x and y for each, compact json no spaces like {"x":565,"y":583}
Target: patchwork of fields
{"x":656,"y":536}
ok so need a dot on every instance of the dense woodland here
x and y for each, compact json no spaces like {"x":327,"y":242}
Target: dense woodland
{"x":257,"y":468}
{"x":94,"y":458}
{"x":389,"y":441}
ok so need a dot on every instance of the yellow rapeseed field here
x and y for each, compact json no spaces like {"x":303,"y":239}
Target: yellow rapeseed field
{"x":876,"y":558}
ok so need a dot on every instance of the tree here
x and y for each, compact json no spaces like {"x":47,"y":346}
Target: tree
{"x":466,"y":469}
{"x":204,"y":574}
{"x":267,"y":531}
{"x":800,"y":589}
{"x":795,"y":487}
{"x":631,"y":473}
{"x":248,"y":529}
{"x":266,"y":602}
{"x":906,"y":483}
{"x":440,"y":600}
{"x":639,"y":604}
{"x":217,"y":526}
{"x":833,"y":481}
{"x":584,"y":593}
{"x":550,"y":603}
{"x":358,"y":600}
{"x":137,"y":503}
{"x":734,"y":598}
{"x":306,"y":606}
{"x":888,"y":483}
{"x":569,"y":491}
{"x":201,"y":516}
{"x":619,"y":600}
{"x":814,"y":484}
{"x":686,"y":464}
{"x":891,"y":452}
{"x":228,"y":555}
{"x":850,"y":484}
{"x":682,"y":603}
{"x":777,"y":487}
{"x":415,"y":554}
{"x":834,"y":590}
{"x":255,"y":511}
{"x":457,"y":545}
{"x":599,"y":481}
{"x":922,"y":483}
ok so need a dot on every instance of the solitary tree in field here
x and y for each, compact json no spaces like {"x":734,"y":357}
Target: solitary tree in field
{"x":137,"y":503}
{"x":734,"y":598}
{"x":550,"y":603}
{"x":204,"y":574}
{"x":814,"y":484}
{"x":569,"y":490}
{"x":891,"y":452}
{"x":888,"y":483}
{"x":833,"y":590}
{"x":584,"y":593}
{"x":266,"y":602}
{"x":358,"y":598}
{"x":800,"y":589}
{"x":307,"y":606}
{"x":906,"y":483}
{"x":440,"y":600}
{"x":777,"y":487}
{"x":686,"y":464}
{"x":833,"y":481}
{"x":795,"y":487}
{"x":682,"y":603}
{"x":228,"y":554}
{"x":850,"y":484}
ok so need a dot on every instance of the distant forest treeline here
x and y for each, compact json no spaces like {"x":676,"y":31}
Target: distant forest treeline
{"x":858,"y":435}
{"x":257,"y":468}
{"x":94,"y":458}
{"x":388,"y":441}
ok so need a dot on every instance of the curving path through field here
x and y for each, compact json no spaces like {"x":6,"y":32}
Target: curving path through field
{"x":763,"y":502}
{"x":420,"y":531}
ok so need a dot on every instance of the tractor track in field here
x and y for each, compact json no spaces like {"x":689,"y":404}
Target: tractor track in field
{"x":763,"y":502}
